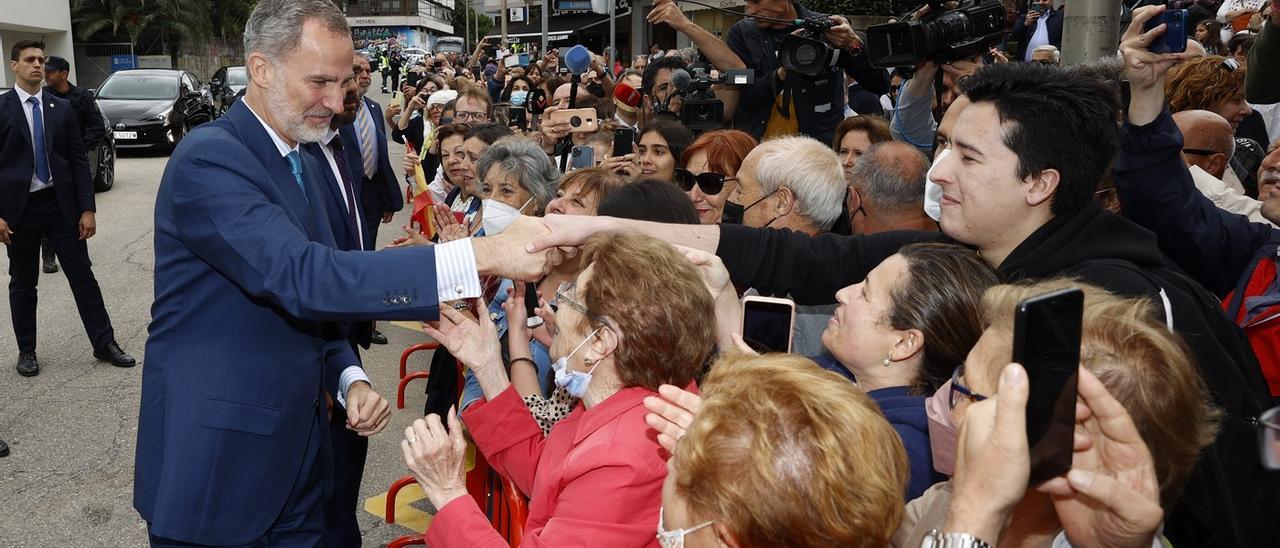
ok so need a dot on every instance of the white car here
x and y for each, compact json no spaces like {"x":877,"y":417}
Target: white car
{"x":413,"y":55}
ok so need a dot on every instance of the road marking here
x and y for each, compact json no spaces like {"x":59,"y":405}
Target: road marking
{"x":406,"y":515}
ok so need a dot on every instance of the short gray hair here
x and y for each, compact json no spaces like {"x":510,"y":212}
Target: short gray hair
{"x":892,"y":179}
{"x":1057,"y":55}
{"x":807,"y":167}
{"x":531,"y":166}
{"x":275,"y":26}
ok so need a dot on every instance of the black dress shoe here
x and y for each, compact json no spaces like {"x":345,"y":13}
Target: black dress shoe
{"x":377,"y":337}
{"x":27,"y":364}
{"x":114,"y":354}
{"x":4,"y":449}
{"x":50,"y":267}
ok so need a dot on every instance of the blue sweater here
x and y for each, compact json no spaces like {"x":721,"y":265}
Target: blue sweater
{"x":906,"y":415}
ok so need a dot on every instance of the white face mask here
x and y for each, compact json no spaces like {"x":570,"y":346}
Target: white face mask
{"x":497,"y":216}
{"x":932,"y":190}
{"x":574,"y":382}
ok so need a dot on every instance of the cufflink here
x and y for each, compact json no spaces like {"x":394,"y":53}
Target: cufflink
{"x":459,"y":289}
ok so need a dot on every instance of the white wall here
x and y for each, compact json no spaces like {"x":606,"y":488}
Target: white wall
{"x":48,"y":20}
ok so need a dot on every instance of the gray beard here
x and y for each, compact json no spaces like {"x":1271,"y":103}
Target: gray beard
{"x":294,"y":124}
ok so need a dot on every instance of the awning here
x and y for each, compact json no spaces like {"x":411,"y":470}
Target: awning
{"x":559,"y":27}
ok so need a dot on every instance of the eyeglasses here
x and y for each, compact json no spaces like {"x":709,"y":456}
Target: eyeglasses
{"x":565,"y":294}
{"x":465,"y":116}
{"x":1201,"y":151}
{"x":710,"y":183}
{"x":958,"y":389}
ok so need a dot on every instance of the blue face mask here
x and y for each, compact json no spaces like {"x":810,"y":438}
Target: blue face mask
{"x":518,"y":97}
{"x":574,"y":382}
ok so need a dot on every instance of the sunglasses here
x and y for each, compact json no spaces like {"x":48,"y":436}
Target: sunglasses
{"x":710,"y":183}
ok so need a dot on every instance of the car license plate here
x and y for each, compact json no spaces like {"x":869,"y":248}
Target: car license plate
{"x":125,"y":134}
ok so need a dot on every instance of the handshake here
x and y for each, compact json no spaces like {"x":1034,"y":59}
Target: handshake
{"x":530,"y":247}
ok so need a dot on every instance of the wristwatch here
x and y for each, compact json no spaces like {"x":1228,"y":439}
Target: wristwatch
{"x":939,"y":539}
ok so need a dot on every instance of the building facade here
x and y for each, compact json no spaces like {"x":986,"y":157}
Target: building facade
{"x":47,"y":20}
{"x":413,"y":23}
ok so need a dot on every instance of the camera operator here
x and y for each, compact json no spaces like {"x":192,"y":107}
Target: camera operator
{"x":713,"y":49}
{"x":780,"y":103}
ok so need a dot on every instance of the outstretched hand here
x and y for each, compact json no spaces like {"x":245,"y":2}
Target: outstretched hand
{"x":473,"y":342}
{"x":671,"y":414}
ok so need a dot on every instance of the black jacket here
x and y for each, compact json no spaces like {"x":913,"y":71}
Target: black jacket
{"x":92,"y":125}
{"x":68,"y":161}
{"x":1022,"y":33}
{"x":1228,"y":494}
{"x":819,"y":101}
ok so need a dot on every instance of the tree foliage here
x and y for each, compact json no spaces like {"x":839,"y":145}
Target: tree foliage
{"x":460,"y":20}
{"x":162,"y":25}
{"x":861,"y":7}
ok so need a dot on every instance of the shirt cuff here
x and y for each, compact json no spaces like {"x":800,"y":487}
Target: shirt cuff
{"x":456,"y":274}
{"x":351,"y":375}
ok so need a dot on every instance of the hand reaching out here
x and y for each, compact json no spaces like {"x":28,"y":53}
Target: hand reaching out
{"x":437,"y":458}
{"x":447,"y":225}
{"x":473,"y":342}
{"x":671,"y":414}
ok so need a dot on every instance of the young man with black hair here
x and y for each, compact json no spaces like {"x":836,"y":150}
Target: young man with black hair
{"x":1026,"y":204}
{"x":45,"y":190}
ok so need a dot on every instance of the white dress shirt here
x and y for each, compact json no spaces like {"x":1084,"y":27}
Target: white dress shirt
{"x":1041,"y":36}
{"x":36,"y":185}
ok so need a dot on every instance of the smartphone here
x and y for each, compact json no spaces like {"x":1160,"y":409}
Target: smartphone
{"x":583,"y":157}
{"x":511,"y":61}
{"x":767,"y":323}
{"x":517,"y":117}
{"x":581,"y":120}
{"x":1174,"y":39}
{"x":624,"y":138}
{"x":1046,"y":341}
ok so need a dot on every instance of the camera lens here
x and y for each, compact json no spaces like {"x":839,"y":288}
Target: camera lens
{"x":806,"y":54}
{"x":575,"y":121}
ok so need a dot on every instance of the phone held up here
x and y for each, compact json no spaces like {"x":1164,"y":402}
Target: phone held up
{"x":583,"y":157}
{"x":767,"y":323}
{"x":624,"y":138}
{"x":1046,"y":341}
{"x":581,"y":120}
{"x":1174,"y":39}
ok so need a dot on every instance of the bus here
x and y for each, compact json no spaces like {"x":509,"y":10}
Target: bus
{"x":450,"y":44}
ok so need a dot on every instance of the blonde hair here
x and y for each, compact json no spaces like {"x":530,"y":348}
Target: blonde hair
{"x":1142,"y":363}
{"x":783,"y":453}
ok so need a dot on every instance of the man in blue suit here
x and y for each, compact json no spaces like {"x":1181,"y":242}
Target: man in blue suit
{"x":338,"y":152}
{"x":45,"y":190}
{"x":380,"y":190}
{"x":251,"y":294}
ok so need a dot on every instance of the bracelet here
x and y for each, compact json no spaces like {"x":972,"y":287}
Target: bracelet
{"x":939,"y":539}
{"x":531,"y":362}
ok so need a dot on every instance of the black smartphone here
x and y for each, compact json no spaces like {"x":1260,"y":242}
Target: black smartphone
{"x":624,"y":138}
{"x":1174,"y":39}
{"x":517,"y":117}
{"x":767,"y":323}
{"x":1046,"y":341}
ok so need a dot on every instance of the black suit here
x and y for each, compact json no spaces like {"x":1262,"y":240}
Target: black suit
{"x":92,"y":125}
{"x":1022,"y":33}
{"x":54,"y":212}
{"x":380,"y":193}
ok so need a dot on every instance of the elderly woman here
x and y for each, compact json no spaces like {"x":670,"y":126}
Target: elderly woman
{"x":516,"y":178}
{"x":1127,"y":346}
{"x":768,"y":462}
{"x":855,"y":135}
{"x":1216,"y":84}
{"x":710,"y":173}
{"x":597,"y":478}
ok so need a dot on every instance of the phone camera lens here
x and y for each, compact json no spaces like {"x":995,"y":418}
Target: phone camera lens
{"x":575,"y":121}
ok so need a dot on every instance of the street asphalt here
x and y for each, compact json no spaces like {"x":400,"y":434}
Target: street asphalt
{"x":72,"y":429}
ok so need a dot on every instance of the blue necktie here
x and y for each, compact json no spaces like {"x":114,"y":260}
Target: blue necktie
{"x":37,"y":138}
{"x":295,"y":166}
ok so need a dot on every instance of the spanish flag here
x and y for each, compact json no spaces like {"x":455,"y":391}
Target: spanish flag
{"x":422,"y":202}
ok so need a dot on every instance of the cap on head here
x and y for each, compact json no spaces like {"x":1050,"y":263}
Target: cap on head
{"x":56,"y":64}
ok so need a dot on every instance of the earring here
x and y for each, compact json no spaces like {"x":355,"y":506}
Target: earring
{"x":588,"y":362}
{"x":887,"y":362}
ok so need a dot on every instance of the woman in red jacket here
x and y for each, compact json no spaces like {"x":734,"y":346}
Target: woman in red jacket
{"x":638,"y":317}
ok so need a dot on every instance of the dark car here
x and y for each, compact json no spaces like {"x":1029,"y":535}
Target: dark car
{"x":225,"y":84}
{"x":153,"y":107}
{"x":102,"y":159}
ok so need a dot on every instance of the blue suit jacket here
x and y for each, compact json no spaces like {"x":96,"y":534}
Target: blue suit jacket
{"x":381,"y":193}
{"x":248,"y":287}
{"x":68,"y":162}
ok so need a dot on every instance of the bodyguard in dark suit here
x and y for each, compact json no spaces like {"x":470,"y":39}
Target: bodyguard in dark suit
{"x":92,"y":125}
{"x":338,"y":152}
{"x":45,"y":191}
{"x":1042,"y":19}
{"x":379,"y":194}
{"x":251,"y":296}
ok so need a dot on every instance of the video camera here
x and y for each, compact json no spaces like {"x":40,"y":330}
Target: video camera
{"x":807,"y":52}
{"x":700,"y":110}
{"x":967,"y":29}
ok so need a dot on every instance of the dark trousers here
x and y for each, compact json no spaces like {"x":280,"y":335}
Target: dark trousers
{"x":349,"y":453}
{"x":43,"y":217}
{"x":386,"y":78}
{"x":302,"y":522}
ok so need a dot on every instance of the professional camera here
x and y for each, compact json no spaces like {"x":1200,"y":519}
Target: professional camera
{"x":943,"y":36}
{"x":700,"y":110}
{"x":807,"y":52}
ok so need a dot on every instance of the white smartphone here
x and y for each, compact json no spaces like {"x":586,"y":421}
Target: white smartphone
{"x":768,"y":323}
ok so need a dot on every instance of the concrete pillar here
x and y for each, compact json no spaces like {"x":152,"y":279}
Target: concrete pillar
{"x":1091,"y":30}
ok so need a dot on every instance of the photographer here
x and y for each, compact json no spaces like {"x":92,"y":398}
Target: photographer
{"x":713,"y":49}
{"x":780,"y":103}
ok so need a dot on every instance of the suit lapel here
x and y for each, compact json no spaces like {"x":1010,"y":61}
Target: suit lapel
{"x":351,"y":146}
{"x":15,"y":105}
{"x":264,"y":150}
{"x":336,"y":214}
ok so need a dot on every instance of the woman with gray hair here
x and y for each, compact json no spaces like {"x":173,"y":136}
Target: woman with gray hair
{"x":516,"y":177}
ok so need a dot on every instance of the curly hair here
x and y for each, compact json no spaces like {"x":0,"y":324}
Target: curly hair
{"x":784,"y":453}
{"x":1202,"y":84}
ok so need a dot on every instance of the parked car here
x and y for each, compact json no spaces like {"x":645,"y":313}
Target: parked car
{"x":153,"y":108}
{"x":413,"y":55}
{"x":225,"y":85}
{"x":102,"y":159}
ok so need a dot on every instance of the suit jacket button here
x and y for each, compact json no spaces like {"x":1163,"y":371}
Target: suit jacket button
{"x":408,"y":300}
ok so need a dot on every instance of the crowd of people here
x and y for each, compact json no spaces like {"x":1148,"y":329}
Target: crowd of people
{"x":582,"y":255}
